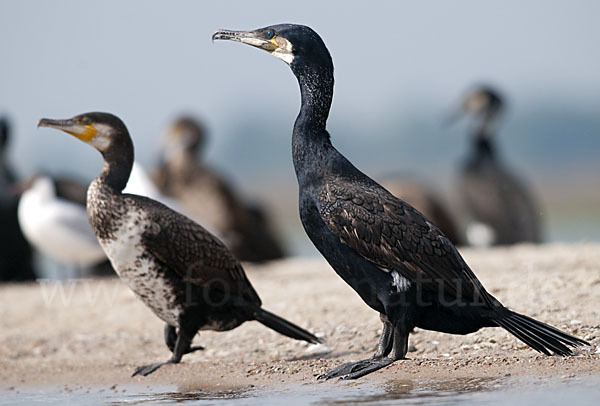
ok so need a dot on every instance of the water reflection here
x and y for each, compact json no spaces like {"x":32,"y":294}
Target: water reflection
{"x":194,"y":397}
{"x":420,"y":391}
{"x":517,"y":390}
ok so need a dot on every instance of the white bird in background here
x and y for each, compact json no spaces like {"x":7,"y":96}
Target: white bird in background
{"x":140,"y":184}
{"x":58,"y":226}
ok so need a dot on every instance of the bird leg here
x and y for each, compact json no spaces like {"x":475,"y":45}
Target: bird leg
{"x":398,"y":352}
{"x":182,"y":343}
{"x":390,"y":340}
{"x":171,"y":338}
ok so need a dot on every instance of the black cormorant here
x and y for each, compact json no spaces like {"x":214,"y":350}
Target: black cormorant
{"x":400,"y":264}
{"x":15,"y":251}
{"x":209,"y":199}
{"x":187,"y":277}
{"x":501,"y":206}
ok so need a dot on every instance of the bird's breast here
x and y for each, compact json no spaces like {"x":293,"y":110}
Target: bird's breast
{"x":138,"y":268}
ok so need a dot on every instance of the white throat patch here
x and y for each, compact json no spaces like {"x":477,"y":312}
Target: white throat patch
{"x":284,"y":52}
{"x":101,"y":141}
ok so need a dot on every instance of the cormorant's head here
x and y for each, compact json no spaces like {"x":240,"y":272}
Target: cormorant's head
{"x":482,"y":100}
{"x":291,"y":43}
{"x":485,"y":105}
{"x":100,"y":130}
{"x":186,"y":133}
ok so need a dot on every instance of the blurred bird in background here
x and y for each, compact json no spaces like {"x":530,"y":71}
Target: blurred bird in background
{"x":15,"y":252}
{"x":500,"y":206}
{"x":209,"y":199}
{"x":53,"y":218}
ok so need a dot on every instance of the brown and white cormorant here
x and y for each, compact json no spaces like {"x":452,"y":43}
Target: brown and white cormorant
{"x":15,"y":252}
{"x":184,"y":274}
{"x":501,"y":206}
{"x":209,"y":199}
{"x":400,"y":264}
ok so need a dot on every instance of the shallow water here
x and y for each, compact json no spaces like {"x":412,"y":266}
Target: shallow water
{"x":466,"y":391}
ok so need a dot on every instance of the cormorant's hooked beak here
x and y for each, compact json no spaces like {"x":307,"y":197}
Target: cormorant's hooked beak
{"x":276,"y":45}
{"x":85,"y":133}
{"x":255,"y":38}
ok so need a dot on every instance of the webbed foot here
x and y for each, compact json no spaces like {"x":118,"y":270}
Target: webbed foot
{"x":146,"y":370}
{"x":353,"y":370}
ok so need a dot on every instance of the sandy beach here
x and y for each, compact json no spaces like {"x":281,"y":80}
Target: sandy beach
{"x":95,"y":332}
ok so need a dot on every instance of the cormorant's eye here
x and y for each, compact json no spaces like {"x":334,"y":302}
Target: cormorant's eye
{"x":270,"y":34}
{"x":86,"y":121}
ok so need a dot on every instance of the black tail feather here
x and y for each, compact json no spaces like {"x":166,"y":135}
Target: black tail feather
{"x":539,"y":336}
{"x":531,"y":339}
{"x":284,"y":327}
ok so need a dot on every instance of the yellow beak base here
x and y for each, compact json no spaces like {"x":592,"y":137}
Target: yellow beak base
{"x":86,"y":135}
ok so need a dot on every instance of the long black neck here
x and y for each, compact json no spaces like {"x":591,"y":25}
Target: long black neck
{"x":118,"y":161}
{"x":316,"y":89}
{"x":482,"y":146}
{"x":310,"y":139}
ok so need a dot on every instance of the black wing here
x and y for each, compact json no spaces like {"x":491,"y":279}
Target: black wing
{"x":192,"y":252}
{"x":394,"y":236}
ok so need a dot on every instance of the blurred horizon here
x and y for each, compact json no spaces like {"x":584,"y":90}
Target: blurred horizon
{"x":400,"y":68}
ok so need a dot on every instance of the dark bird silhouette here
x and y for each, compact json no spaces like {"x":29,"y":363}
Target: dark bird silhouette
{"x":399,"y":263}
{"x":15,"y":251}
{"x":209,"y":199}
{"x":184,"y":274}
{"x":500,"y":204}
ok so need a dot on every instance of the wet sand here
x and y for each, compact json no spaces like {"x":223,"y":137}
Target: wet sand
{"x":95,"y":332}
